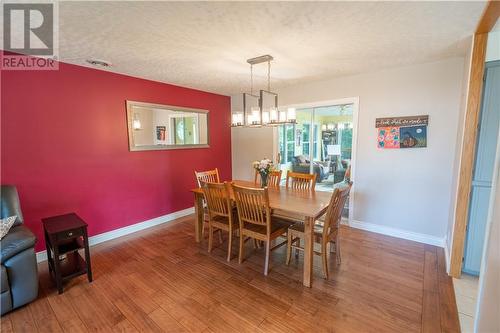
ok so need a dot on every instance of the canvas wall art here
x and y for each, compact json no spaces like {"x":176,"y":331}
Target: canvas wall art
{"x":388,"y":137}
{"x":402,"y":132}
{"x":413,"y":136}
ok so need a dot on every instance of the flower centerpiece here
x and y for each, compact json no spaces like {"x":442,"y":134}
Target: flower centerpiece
{"x":263,"y":167}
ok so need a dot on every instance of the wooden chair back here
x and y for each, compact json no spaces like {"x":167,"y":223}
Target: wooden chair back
{"x":218,"y":199}
{"x":300,"y":181}
{"x":273,"y":179}
{"x":210,"y":176}
{"x":334,"y":211}
{"x":252,"y":205}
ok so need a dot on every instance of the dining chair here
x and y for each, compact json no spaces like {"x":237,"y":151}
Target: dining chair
{"x":221,"y":215}
{"x":210,"y":176}
{"x":300,"y":181}
{"x":325,"y":232}
{"x":254,"y":214}
{"x":273,"y":179}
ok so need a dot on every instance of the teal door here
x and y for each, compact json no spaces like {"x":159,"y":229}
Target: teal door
{"x":483,"y":169}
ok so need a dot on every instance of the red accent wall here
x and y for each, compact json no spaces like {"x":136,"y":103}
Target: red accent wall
{"x":64,"y":145}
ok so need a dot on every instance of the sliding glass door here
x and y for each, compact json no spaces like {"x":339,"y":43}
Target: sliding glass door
{"x":286,"y":134}
{"x":320,"y":142}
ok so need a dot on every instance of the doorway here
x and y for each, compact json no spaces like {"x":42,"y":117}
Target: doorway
{"x":482,"y":174}
{"x":321,"y":142}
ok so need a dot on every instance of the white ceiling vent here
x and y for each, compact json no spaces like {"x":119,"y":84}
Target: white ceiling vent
{"x":99,"y":62}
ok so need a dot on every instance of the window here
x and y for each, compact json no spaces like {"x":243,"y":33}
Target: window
{"x":179,"y":130}
{"x":305,"y":139}
{"x":346,"y":143}
{"x":315,"y":142}
{"x":287,"y":142}
{"x":306,"y":132}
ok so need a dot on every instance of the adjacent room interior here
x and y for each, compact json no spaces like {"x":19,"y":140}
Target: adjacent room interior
{"x":250,"y":166}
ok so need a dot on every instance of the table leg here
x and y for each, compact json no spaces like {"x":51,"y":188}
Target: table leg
{"x":57,"y":268}
{"x":49,"y":252}
{"x":198,"y":223}
{"x":308,"y":251}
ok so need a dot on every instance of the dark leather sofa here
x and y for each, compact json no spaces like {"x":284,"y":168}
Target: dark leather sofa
{"x":321,"y":169}
{"x":19,"y":274}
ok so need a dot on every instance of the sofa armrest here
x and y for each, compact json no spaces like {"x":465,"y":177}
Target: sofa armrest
{"x":17,"y":240}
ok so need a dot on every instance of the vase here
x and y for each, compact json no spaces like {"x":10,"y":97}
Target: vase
{"x":263,"y":179}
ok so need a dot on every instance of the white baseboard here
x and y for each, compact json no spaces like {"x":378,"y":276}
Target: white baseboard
{"x":42,"y":255}
{"x":399,"y":233}
{"x":447,"y":255}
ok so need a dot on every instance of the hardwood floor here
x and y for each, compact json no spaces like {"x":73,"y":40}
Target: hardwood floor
{"x":161,"y":280}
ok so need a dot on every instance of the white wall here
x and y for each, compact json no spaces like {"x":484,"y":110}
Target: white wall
{"x":249,"y":145}
{"x":407,"y":190}
{"x":493,"y":46}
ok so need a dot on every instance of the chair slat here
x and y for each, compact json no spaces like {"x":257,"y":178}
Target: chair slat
{"x":273,"y":179}
{"x":300,"y":181}
{"x":210,"y":176}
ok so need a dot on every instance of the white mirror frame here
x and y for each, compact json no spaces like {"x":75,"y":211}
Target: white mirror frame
{"x":130,"y":119}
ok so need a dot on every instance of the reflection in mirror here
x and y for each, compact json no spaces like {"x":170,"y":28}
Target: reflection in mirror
{"x":154,"y":127}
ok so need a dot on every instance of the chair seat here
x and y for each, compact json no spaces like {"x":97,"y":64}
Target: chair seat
{"x":277,"y":225}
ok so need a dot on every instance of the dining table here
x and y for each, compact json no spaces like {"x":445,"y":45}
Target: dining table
{"x":303,"y":206}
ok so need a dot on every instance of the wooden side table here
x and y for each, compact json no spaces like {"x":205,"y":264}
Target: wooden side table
{"x":64,"y":236}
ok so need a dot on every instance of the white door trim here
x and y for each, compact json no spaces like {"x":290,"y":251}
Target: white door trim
{"x":355,"y":110}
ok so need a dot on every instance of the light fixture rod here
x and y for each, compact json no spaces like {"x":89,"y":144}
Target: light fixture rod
{"x":251,"y":79}
{"x":269,"y":75}
{"x":259,"y":60}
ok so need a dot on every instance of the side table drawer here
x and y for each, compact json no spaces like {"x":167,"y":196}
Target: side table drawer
{"x":69,"y":234}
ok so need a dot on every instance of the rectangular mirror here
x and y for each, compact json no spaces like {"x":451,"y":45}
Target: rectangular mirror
{"x":157,"y":127}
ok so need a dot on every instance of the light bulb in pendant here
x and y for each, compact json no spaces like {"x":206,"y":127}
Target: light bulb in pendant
{"x":136,"y":123}
{"x":291,"y":115}
{"x":273,"y":115}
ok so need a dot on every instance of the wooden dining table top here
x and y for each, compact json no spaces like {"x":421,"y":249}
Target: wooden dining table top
{"x":298,"y":202}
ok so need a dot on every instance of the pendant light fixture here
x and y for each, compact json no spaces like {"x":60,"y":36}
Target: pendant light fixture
{"x":262,"y":110}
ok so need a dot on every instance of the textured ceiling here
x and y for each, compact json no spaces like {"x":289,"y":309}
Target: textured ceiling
{"x":205,"y":45}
